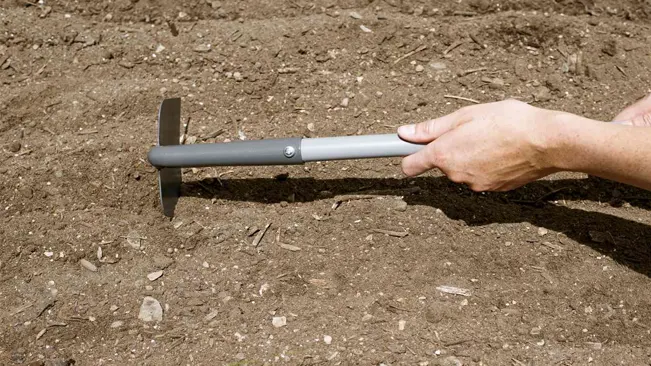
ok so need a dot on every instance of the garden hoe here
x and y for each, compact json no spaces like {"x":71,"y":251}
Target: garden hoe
{"x":169,"y":156}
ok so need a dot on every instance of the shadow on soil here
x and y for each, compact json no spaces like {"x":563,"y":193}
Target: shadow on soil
{"x":626,"y":241}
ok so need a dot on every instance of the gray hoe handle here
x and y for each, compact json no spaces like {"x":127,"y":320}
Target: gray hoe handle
{"x":289,"y":151}
{"x":357,"y":147}
{"x":260,"y":152}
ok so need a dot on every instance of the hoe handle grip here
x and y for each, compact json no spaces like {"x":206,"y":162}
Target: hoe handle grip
{"x":357,"y":147}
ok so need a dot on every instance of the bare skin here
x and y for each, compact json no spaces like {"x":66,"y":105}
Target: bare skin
{"x":637,"y":114}
{"x":504,"y":145}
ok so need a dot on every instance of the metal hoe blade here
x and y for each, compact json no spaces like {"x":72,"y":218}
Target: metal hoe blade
{"x":169,"y":179}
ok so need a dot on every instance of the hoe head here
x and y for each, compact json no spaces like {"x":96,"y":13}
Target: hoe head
{"x":169,"y":179}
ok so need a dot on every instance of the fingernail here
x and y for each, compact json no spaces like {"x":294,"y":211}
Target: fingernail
{"x":408,"y":130}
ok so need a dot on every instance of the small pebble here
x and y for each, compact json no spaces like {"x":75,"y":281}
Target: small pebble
{"x":117,"y":324}
{"x":365,"y":29}
{"x":89,"y":266}
{"x":419,"y":68}
{"x":401,"y":206}
{"x":237,"y":76}
{"x":14,"y":147}
{"x":212,"y":315}
{"x":355,"y":15}
{"x":344,"y":102}
{"x":327,"y":339}
{"x":205,"y":264}
{"x":113,"y":307}
{"x":202,"y":48}
{"x":542,"y":231}
{"x":26,"y":192}
{"x":438,"y":66}
{"x":279,"y":321}
{"x":401,"y":324}
{"x":451,"y":361}
{"x":594,"y":345}
{"x":134,"y":240}
{"x":150,"y":310}
{"x":155,"y":275}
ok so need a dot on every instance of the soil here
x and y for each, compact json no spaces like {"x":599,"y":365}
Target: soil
{"x":554,"y":273}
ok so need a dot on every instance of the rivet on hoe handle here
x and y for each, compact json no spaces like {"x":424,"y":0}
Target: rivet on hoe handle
{"x":169,"y":157}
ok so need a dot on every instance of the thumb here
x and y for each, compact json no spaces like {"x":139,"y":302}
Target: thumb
{"x":428,"y":131}
{"x":641,"y":120}
{"x":640,"y":107}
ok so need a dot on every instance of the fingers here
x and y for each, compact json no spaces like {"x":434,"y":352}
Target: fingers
{"x":430,"y":130}
{"x":422,"y":161}
{"x":642,"y":120}
{"x":640,"y":107}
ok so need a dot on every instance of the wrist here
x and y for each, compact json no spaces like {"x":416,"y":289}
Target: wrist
{"x":558,"y":132}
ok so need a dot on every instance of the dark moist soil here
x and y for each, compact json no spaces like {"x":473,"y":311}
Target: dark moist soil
{"x":555,"y":273}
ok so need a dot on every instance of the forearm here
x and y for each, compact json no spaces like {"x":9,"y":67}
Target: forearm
{"x":619,"y":153}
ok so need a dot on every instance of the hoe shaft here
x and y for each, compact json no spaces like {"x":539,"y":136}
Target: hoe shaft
{"x":290,"y":151}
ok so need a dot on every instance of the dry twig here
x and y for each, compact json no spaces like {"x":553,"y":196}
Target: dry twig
{"x":397,"y":234}
{"x":408,"y":54}
{"x":258,"y":238}
{"x":461,"y":98}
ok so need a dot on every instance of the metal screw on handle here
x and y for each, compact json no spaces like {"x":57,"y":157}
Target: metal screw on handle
{"x":289,"y":151}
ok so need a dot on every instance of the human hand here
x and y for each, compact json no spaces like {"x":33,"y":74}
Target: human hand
{"x":637,"y":114}
{"x":491,"y":147}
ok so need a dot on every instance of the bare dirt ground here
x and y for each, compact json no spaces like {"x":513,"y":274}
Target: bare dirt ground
{"x":555,"y":273}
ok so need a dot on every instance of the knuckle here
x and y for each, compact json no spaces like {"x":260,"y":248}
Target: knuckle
{"x":455,"y":177}
{"x":646,"y":120}
{"x":437,"y":156}
{"x":467,"y":110}
{"x":424,"y":128}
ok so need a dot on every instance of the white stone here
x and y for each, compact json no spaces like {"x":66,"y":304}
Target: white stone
{"x":155,"y":275}
{"x":150,"y":310}
{"x":279,"y":321}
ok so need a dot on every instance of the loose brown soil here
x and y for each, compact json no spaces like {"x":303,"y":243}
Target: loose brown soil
{"x":557,"y":272}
